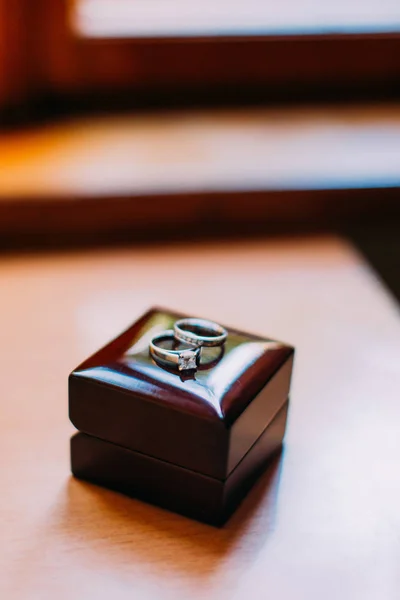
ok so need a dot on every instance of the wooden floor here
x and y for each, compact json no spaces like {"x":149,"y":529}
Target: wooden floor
{"x":323,"y":523}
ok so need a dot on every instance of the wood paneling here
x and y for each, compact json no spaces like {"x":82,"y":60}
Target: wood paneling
{"x":290,"y":67}
{"x":15,"y":78}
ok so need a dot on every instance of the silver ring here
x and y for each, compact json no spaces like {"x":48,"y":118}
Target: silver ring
{"x":186,"y":360}
{"x":190,"y":331}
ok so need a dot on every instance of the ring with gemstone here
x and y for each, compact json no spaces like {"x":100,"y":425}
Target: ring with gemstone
{"x":185,"y":360}
{"x":200,"y":332}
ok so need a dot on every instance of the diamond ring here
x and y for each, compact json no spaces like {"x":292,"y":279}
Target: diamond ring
{"x":200,"y":332}
{"x":186,"y":360}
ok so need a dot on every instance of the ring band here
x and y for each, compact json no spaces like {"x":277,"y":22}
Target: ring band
{"x":189,"y":331}
{"x":185,"y":360}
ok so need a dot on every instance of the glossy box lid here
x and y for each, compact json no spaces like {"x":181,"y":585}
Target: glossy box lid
{"x":206,"y":421}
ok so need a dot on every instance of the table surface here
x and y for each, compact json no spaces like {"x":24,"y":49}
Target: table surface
{"x":323,"y":522}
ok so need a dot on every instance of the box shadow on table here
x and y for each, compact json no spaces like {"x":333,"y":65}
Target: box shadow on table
{"x":126,"y":529}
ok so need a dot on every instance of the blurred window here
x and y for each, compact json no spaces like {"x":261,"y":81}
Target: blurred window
{"x":149,"y":18}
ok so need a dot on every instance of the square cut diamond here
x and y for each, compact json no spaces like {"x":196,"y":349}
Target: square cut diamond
{"x":188,"y":360}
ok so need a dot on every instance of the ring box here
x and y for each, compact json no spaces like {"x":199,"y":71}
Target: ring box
{"x":191,"y":442}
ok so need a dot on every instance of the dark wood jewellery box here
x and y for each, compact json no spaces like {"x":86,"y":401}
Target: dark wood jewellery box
{"x":191,"y":442}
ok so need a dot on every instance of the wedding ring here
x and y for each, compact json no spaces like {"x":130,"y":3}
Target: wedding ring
{"x":200,"y":332}
{"x":185,"y":360}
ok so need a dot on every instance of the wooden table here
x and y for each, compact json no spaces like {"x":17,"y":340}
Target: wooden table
{"x":324,"y":522}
